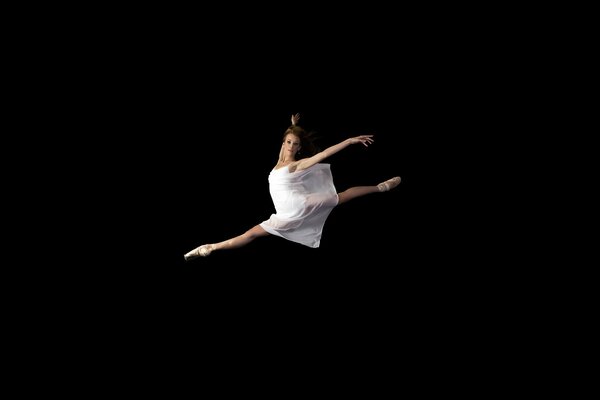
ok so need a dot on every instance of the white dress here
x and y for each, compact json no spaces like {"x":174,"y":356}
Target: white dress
{"x":303,"y":200}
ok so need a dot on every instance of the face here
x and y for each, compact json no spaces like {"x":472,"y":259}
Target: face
{"x":291,"y":144}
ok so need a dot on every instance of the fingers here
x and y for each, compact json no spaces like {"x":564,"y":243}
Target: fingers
{"x":366,"y":140}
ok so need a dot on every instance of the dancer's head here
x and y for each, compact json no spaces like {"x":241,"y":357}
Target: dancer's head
{"x":299,"y":142}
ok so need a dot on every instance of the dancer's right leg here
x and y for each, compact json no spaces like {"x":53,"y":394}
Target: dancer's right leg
{"x":238,"y":241}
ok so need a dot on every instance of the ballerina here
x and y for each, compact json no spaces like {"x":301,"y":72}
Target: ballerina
{"x":302,"y":191}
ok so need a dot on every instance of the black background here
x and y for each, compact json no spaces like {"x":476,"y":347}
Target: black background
{"x":171,"y":135}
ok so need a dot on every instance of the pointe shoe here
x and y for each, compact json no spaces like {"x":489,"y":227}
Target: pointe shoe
{"x":201,"y":251}
{"x":389,"y":184}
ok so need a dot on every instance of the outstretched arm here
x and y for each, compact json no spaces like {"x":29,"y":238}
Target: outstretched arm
{"x":366,"y":140}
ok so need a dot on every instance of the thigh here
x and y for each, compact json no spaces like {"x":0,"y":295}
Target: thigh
{"x":257,"y":231}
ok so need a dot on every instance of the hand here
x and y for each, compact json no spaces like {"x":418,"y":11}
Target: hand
{"x":295,"y":118}
{"x":364,"y":139}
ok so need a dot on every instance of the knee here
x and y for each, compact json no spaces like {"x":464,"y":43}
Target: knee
{"x":251,"y":234}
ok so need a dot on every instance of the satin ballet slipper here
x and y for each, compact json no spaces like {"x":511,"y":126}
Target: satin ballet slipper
{"x":201,"y":251}
{"x":389,"y":184}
